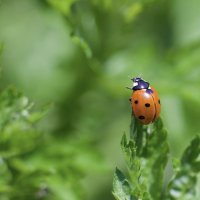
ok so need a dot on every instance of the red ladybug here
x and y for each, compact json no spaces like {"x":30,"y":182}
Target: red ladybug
{"x":145,"y":101}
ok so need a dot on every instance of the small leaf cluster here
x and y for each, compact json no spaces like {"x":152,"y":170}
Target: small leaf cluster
{"x":19,"y":138}
{"x":147,"y":154}
{"x":35,"y":164}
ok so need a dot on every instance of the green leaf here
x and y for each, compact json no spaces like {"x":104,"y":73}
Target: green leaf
{"x":191,"y":154}
{"x":182,"y":185}
{"x":19,"y":137}
{"x":41,"y":165}
{"x":137,"y":132}
{"x":146,"y":155}
{"x":83,"y":44}
{"x":36,"y":116}
{"x":152,"y":149}
{"x":133,"y":163}
{"x":132,"y":11}
{"x":64,"y":6}
{"x":121,"y":188}
{"x":129,"y":150}
{"x":156,"y":154}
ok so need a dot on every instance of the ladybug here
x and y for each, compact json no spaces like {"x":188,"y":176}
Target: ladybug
{"x":145,"y":101}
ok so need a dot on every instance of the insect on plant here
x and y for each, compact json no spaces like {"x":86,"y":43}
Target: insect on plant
{"x":147,"y":153}
{"x":145,"y":101}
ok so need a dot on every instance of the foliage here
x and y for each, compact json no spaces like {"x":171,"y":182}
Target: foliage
{"x":79,"y":54}
{"x":19,"y":138}
{"x":182,"y":186}
{"x":146,"y":155}
{"x":25,"y":174}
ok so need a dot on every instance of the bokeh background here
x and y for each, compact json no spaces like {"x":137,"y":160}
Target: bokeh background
{"x":79,"y":55}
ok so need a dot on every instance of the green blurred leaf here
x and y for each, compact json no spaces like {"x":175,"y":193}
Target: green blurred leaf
{"x":64,"y":6}
{"x":38,"y":115}
{"x":182,"y":185}
{"x":44,"y":166}
{"x":132,"y":11}
{"x":83,"y":44}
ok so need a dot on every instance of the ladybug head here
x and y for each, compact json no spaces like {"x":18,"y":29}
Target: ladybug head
{"x":136,"y":79}
{"x":139,"y":84}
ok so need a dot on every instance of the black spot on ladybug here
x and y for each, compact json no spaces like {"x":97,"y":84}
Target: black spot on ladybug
{"x":136,"y":101}
{"x":141,"y":117}
{"x":159,"y":101}
{"x":147,"y":105}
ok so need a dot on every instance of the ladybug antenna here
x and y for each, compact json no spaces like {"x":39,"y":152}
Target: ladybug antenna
{"x":129,"y":88}
{"x":131,"y":77}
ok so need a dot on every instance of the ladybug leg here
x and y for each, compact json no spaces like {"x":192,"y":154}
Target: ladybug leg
{"x":130,"y":99}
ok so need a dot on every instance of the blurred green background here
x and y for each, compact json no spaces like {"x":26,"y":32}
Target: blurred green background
{"x":80,"y":56}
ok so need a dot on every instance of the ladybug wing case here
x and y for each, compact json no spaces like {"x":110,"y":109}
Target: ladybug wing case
{"x":156,"y":102}
{"x":143,"y":106}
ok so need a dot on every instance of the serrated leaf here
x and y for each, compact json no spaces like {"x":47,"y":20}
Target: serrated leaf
{"x":135,"y":160}
{"x":191,"y":153}
{"x":148,"y":156}
{"x":152,"y":148}
{"x":157,"y":150}
{"x":182,"y":186}
{"x":137,"y":133}
{"x":121,"y":188}
{"x":129,"y":150}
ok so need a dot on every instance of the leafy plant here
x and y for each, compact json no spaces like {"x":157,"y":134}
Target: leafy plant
{"x":112,"y":38}
{"x":35,"y":164}
{"x":146,"y":155}
{"x":19,"y":138}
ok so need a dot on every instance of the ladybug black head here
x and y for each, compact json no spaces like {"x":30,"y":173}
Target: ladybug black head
{"x":139,"y":84}
{"x":136,"y":79}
